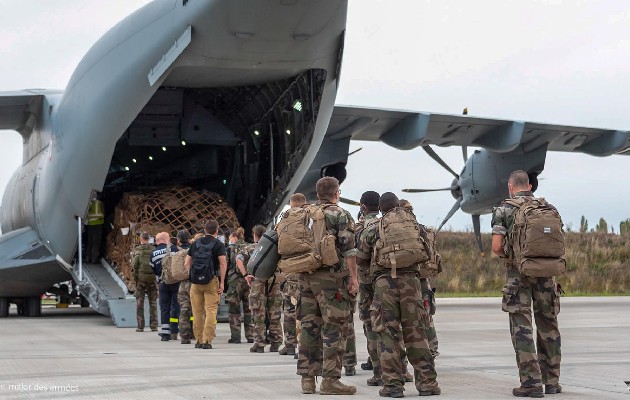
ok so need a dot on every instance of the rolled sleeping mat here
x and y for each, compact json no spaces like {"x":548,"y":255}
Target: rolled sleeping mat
{"x":264,"y":260}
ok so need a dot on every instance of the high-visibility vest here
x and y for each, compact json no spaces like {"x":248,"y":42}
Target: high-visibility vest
{"x":95,"y":214}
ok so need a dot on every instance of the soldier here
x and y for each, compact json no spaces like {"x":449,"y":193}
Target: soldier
{"x":324,"y":305}
{"x":396,"y":306}
{"x":145,"y":283}
{"x":350,"y":354}
{"x":540,"y":366}
{"x":369,"y":213}
{"x":183,"y":295}
{"x":290,"y":292}
{"x":429,"y":297}
{"x":265,"y":300}
{"x":167,"y":292}
{"x":238,"y":291}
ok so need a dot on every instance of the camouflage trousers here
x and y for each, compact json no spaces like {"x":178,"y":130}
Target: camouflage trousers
{"x":350,"y":354}
{"x":396,"y":310}
{"x":237,"y":294}
{"x":538,"y":364}
{"x":265,"y":301}
{"x":150,"y":289}
{"x":323,"y":309}
{"x":290,"y":293}
{"x":366,"y":296}
{"x":185,"y":315}
{"x":428,"y":297}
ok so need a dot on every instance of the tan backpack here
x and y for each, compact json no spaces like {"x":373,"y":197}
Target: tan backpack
{"x":537,"y":238}
{"x":433,"y":265}
{"x":303,"y":243}
{"x":173,"y":269}
{"x":400,"y":244}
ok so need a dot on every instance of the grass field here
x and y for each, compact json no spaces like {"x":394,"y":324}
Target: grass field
{"x":598,"y":264}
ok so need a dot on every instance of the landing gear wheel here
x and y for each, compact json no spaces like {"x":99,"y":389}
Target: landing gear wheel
{"x":32,"y":306}
{"x":4,"y":307}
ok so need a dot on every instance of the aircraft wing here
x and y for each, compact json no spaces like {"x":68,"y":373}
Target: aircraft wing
{"x":19,"y":110}
{"x":408,"y":129}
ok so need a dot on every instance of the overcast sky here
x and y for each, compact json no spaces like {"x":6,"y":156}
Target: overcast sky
{"x":542,"y":61}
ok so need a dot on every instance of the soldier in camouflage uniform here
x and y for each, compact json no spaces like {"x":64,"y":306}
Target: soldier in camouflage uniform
{"x":324,"y":304}
{"x":145,"y":283}
{"x":369,"y":215}
{"x":350,"y":355}
{"x":428,"y":297}
{"x":396,"y":305}
{"x":265,"y":300}
{"x":540,"y":366}
{"x":183,"y":295}
{"x":290,"y":290}
{"x":238,"y":291}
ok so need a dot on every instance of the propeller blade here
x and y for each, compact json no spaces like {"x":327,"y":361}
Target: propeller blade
{"x":428,"y":190}
{"x":349,"y":201}
{"x":355,"y":151}
{"x":465,"y":153}
{"x":477,"y":228}
{"x":439,"y":160}
{"x":450,"y":213}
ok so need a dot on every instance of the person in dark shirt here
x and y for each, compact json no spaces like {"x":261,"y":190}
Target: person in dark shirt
{"x":169,"y":308}
{"x":205,"y":298}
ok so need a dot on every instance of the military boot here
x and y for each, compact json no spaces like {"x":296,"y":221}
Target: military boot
{"x":391,"y":391}
{"x":367,"y":366}
{"x":257,"y":349}
{"x":185,"y":341}
{"x":274,"y":347}
{"x":351,"y":371}
{"x":375,"y":381}
{"x":553,"y":389}
{"x":308,"y":384}
{"x":287,"y":351}
{"x":430,"y":392}
{"x":173,"y":336}
{"x":334,"y":387}
{"x":528,"y":391}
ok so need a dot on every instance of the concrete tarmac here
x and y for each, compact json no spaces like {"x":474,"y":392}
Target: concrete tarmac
{"x":76,"y":353}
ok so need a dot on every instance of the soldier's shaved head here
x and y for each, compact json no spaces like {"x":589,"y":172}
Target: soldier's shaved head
{"x":297,"y":200}
{"x":162,"y":237}
{"x":388,"y":201}
{"x":326,"y":188}
{"x":518,"y":181}
{"x":370,"y":200}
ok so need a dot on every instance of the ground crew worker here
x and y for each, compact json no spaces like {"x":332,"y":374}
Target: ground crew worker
{"x":540,"y":366}
{"x":265,"y":300}
{"x":205,"y":297}
{"x":238,"y":291}
{"x":324,"y":305}
{"x":95,"y":221}
{"x":396,"y":306}
{"x":169,"y":308}
{"x":183,"y":295}
{"x":369,"y":215}
{"x":145,"y":283}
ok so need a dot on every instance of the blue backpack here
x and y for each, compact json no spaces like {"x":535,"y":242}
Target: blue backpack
{"x":203,"y":267}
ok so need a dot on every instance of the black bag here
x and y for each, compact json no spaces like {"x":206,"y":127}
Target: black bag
{"x":203,"y":268}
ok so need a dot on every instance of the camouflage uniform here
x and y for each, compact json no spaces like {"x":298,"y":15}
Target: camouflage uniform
{"x":366,"y":292}
{"x":237,"y":294}
{"x":145,"y":284}
{"x":185,"y":308}
{"x":290,"y":291}
{"x":537,"y":366}
{"x":396,"y":309}
{"x":429,"y":302}
{"x":350,"y":355}
{"x":265,"y":301}
{"x":324,"y":304}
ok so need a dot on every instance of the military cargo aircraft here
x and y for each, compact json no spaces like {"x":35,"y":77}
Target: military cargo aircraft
{"x":237,"y":91}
